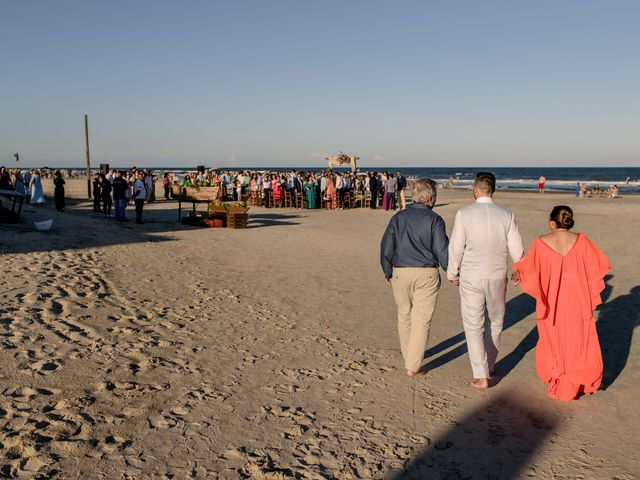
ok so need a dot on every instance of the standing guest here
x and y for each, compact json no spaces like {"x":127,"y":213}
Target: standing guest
{"x":266,"y":189}
{"x":390,"y":188}
{"x":105,"y":193}
{"x":278,"y":195}
{"x":383,"y":184}
{"x":150,"y":185}
{"x":401,"y":186}
{"x":451,"y":183}
{"x":139,"y":195}
{"x":120,"y":193}
{"x":97,"y":193}
{"x":19,"y":184}
{"x":564,"y":272}
{"x":58,"y":191}
{"x":166,"y":184}
{"x":339,"y":189}
{"x":35,"y":187}
{"x":483,"y":236}
{"x":577,"y":189}
{"x":5,"y":179}
{"x":323,"y":187}
{"x":310,"y":192}
{"x":541,"y":182}
{"x":414,"y":245}
{"x":330,"y":204}
{"x":374,"y":188}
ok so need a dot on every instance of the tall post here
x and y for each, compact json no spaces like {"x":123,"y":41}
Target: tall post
{"x":86,"y":136}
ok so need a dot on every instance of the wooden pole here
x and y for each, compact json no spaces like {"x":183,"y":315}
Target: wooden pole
{"x":86,"y":136}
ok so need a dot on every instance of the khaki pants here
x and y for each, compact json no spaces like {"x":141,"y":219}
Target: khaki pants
{"x":415,"y":291}
{"x":402,"y":200}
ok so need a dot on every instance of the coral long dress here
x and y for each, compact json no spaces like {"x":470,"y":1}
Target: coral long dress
{"x":567,"y":291}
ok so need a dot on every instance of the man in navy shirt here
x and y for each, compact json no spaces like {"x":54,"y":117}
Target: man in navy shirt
{"x":414,"y":245}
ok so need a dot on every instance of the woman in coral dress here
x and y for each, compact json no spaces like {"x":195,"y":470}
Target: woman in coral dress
{"x":277,"y":192}
{"x":564,"y":272}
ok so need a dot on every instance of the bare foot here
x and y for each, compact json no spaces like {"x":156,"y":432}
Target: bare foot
{"x":411,"y":373}
{"x":480,"y":383}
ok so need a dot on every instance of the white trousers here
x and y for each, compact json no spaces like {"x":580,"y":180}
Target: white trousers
{"x":482,"y":303}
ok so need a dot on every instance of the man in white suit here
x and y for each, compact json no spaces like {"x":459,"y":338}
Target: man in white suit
{"x":484,"y":236}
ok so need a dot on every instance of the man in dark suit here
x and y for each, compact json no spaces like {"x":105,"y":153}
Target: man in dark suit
{"x":374,"y":187}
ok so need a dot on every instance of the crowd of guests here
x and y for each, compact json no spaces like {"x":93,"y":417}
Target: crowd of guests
{"x":327,"y":189}
{"x":118,"y":189}
{"x":26,"y":182}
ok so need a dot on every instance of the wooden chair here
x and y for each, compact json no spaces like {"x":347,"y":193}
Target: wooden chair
{"x":258,"y":201}
{"x":299,"y":200}
{"x":288,"y":201}
{"x":366,"y":200}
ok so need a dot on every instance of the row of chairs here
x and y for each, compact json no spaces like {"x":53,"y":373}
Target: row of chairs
{"x":298,"y":200}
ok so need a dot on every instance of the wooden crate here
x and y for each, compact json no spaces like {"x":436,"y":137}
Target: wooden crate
{"x":237,"y":220}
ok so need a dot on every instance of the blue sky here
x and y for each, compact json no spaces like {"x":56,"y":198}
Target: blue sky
{"x":284,"y":83}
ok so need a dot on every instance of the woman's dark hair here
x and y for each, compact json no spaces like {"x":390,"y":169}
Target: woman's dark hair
{"x":562,"y":216}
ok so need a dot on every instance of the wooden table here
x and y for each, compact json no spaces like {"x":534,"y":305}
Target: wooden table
{"x":191,"y":200}
{"x":16,"y":198}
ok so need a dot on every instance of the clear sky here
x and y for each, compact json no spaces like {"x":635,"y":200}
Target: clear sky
{"x":285,"y":83}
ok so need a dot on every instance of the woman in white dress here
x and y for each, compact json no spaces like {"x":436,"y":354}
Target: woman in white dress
{"x":35,"y":187}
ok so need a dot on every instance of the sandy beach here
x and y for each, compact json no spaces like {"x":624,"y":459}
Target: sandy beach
{"x":165,"y":351}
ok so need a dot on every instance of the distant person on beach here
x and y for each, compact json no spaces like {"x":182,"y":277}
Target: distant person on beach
{"x":35,"y":187}
{"x":390,"y":188}
{"x":541,"y":182}
{"x":97,"y":193}
{"x":120,"y":194}
{"x":166,"y":184}
{"x":414,"y":245}
{"x":564,"y":272}
{"x":401,"y":185}
{"x":105,"y":193}
{"x":451,"y":184}
{"x":374,"y":188}
{"x":577,"y":189}
{"x":484,"y":236}
{"x":5,"y":179}
{"x":139,"y":195}
{"x":58,"y":191}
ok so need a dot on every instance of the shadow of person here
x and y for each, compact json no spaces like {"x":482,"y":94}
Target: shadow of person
{"x":517,"y":309}
{"x":496,"y":440}
{"x":617,"y":320}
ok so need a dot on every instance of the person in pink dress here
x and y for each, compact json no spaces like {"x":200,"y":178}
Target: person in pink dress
{"x":564,"y":272}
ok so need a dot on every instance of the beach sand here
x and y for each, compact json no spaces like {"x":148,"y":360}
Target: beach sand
{"x":163,"y":351}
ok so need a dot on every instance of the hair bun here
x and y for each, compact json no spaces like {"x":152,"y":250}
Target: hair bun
{"x":562,"y":216}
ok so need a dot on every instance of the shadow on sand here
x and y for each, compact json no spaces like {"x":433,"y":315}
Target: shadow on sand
{"x":80,"y":227}
{"x":518,"y":308}
{"x":497,"y":440}
{"x":616,"y":323}
{"x":260,"y":220}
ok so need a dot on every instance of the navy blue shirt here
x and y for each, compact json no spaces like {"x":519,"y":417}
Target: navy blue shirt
{"x":415,"y":237}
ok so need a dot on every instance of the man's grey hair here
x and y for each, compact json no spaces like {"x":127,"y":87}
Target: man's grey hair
{"x":425,"y":190}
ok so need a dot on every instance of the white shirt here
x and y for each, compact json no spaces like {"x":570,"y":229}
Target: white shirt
{"x":484,"y":235}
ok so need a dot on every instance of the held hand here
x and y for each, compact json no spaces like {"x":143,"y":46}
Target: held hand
{"x":515,"y":279}
{"x":455,"y":280}
{"x":388,"y":281}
